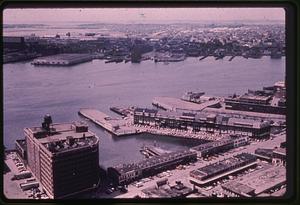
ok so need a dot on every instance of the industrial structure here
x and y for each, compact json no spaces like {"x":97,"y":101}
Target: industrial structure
{"x":126,"y":173}
{"x":202,"y":122}
{"x":63,"y":157}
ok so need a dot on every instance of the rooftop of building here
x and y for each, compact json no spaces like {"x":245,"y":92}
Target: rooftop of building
{"x":212,"y":144}
{"x":123,"y":168}
{"x":200,"y":117}
{"x":264,"y":152}
{"x":63,"y":136}
{"x":265,"y":179}
{"x":280,"y":150}
{"x":223,"y":165}
{"x":167,"y":191}
{"x":237,"y":187}
{"x":164,"y":158}
{"x":255,"y":97}
{"x":247,"y":122}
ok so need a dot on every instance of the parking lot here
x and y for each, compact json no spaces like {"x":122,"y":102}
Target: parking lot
{"x":18,"y":177}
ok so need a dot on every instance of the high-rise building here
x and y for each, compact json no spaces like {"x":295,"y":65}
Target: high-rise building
{"x":63,"y":157}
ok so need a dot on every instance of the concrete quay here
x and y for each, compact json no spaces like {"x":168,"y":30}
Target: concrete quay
{"x":122,"y":127}
{"x":115,"y":126}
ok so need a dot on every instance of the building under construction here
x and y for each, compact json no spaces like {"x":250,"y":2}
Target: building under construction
{"x":63,"y":157}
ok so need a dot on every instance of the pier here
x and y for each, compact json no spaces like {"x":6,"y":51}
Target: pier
{"x":123,"y":127}
{"x":115,"y":126}
{"x":150,"y":151}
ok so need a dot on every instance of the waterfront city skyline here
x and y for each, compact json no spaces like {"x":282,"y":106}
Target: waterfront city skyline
{"x":132,"y":103}
{"x":141,"y":15}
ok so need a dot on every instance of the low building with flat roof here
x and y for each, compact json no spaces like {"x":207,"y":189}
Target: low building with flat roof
{"x":220,"y":169}
{"x":218,"y":146}
{"x":126,"y":173}
{"x":260,"y":181}
{"x":239,"y":189}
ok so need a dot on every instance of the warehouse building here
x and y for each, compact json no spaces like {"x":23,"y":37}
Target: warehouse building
{"x":202,"y":122}
{"x":222,"y":145}
{"x":269,"y":100}
{"x":239,"y":189}
{"x":210,"y":173}
{"x":63,"y":157}
{"x":127,"y":173}
{"x":271,"y":155}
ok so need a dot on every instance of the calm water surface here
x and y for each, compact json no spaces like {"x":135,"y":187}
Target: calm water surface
{"x":30,"y":92}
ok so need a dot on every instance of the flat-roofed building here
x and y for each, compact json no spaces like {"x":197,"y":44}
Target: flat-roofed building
{"x":63,"y":157}
{"x":258,"y":182}
{"x":125,"y":173}
{"x":222,"y":145}
{"x":239,"y":189}
{"x":260,"y":101}
{"x":212,"y":172}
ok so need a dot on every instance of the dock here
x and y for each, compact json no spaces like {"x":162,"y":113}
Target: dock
{"x":122,"y":127}
{"x":115,"y":126}
{"x":150,"y":151}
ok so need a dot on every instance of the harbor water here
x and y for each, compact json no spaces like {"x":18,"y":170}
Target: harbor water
{"x":30,"y":92}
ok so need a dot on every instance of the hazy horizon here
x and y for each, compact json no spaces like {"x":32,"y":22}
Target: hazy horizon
{"x":142,"y":15}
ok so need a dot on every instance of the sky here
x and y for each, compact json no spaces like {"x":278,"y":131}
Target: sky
{"x":140,"y":15}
